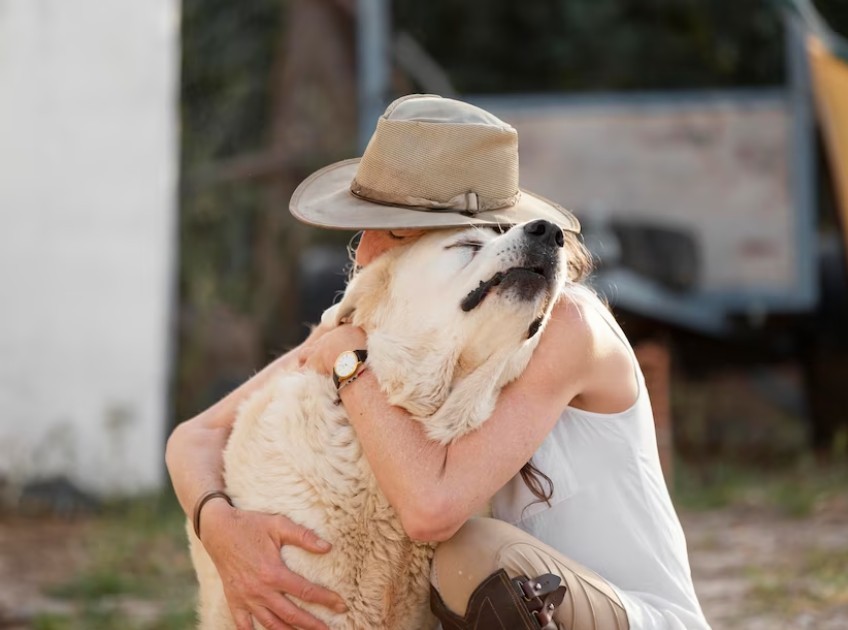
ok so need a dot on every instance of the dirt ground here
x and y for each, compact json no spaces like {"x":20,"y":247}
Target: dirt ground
{"x":757,"y":569}
{"x":754,"y":568}
{"x":35,"y":554}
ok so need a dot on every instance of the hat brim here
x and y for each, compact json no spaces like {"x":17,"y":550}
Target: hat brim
{"x":324,"y":199}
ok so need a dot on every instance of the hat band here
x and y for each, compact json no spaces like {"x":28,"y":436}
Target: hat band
{"x":468,"y":202}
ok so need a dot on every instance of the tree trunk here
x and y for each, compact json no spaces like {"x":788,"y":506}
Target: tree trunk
{"x":313,"y":122}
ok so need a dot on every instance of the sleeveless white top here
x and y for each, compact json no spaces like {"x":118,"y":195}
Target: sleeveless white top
{"x":610,"y":509}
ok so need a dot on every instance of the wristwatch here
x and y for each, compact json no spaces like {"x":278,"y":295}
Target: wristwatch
{"x":347,"y":365}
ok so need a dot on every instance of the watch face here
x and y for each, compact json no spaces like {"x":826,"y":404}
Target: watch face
{"x":346,"y":364}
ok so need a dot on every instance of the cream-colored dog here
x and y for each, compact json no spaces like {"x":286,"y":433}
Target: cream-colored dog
{"x":451,"y":318}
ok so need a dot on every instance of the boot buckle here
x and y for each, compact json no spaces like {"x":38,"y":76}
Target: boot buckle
{"x":542,"y":595}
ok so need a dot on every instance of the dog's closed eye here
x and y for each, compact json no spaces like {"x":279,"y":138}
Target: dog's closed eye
{"x":476,"y":246}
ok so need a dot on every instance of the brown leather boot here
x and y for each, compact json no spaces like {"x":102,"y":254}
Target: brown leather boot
{"x":499,"y":603}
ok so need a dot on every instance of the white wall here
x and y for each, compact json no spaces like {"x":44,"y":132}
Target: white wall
{"x":88,"y":166}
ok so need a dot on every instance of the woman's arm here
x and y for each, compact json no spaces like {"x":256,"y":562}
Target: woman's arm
{"x":435,"y":488}
{"x":245,"y":546}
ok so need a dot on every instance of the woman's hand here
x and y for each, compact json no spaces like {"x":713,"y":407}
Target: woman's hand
{"x":245,"y":548}
{"x":322,"y":354}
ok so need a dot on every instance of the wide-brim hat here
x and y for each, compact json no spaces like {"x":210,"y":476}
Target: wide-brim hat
{"x":432,"y":162}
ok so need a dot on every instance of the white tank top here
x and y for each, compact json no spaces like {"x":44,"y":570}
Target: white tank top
{"x":610,"y":509}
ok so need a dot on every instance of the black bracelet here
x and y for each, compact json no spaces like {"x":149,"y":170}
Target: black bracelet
{"x":214,"y":494}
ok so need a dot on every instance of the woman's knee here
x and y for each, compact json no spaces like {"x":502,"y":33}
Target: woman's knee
{"x":476,"y":542}
{"x":461,"y":563}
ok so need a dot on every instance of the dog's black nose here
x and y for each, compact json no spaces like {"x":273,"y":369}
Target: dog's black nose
{"x":546,"y":232}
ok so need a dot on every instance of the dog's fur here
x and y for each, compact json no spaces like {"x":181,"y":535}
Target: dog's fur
{"x":451,"y":318}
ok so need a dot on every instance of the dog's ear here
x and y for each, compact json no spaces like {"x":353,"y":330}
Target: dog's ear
{"x":362,"y":296}
{"x":473,"y":395}
{"x":332,"y":316}
{"x":414,"y":372}
{"x":470,"y":403}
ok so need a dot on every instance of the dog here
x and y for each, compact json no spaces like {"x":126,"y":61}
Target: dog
{"x":451,"y":318}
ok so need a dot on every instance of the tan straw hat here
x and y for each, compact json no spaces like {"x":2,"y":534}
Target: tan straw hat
{"x":432,"y":162}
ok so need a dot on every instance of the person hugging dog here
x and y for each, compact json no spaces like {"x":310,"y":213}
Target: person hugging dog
{"x":583,"y":533}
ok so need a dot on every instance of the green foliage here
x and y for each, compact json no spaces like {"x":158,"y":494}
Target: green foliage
{"x":566,"y":45}
{"x":227,"y":49}
{"x":217,"y":226}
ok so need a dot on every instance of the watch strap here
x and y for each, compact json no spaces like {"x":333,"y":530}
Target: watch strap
{"x":361,"y":355}
{"x":348,"y":381}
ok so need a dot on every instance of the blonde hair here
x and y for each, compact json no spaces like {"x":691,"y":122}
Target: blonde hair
{"x":580,"y":261}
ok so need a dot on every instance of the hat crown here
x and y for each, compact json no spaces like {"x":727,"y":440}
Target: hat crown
{"x":436,"y":109}
{"x":438,"y":153}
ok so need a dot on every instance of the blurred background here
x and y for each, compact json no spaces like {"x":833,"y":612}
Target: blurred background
{"x":148,"y":263}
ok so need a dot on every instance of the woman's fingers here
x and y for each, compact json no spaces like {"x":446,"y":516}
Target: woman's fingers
{"x":245,"y":547}
{"x":304,"y":590}
{"x":269,"y":620}
{"x":242,"y":619}
{"x":321,"y":355}
{"x":293,"y":534}
{"x":282,"y":614}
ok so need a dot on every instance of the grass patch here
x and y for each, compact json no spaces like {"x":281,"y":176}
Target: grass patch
{"x":138,"y":574}
{"x":95,"y":618}
{"x":795,"y":490}
{"x":821,"y":581}
{"x":97,"y":583}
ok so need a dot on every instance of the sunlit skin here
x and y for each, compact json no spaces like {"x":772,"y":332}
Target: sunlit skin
{"x":375,"y":242}
{"x":433,"y":488}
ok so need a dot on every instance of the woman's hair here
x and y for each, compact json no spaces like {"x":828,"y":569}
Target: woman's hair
{"x":540,"y":485}
{"x":579,"y":259}
{"x":351,"y":269}
{"x":579,"y":268}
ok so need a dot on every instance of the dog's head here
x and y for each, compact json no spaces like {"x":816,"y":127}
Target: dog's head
{"x":454,"y":316}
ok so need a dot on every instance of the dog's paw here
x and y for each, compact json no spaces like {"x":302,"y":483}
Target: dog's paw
{"x":332,"y":316}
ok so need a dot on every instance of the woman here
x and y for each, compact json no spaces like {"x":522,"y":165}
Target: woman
{"x":604,"y":525}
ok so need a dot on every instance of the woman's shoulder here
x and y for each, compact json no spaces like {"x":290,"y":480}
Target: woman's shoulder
{"x":581,"y":315}
{"x":563,"y":358}
{"x":593,"y":349}
{"x":569,"y":322}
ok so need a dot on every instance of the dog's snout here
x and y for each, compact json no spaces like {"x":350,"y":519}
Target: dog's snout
{"x":545,"y":232}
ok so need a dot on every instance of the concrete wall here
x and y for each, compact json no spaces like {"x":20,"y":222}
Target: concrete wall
{"x":88,"y":167}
